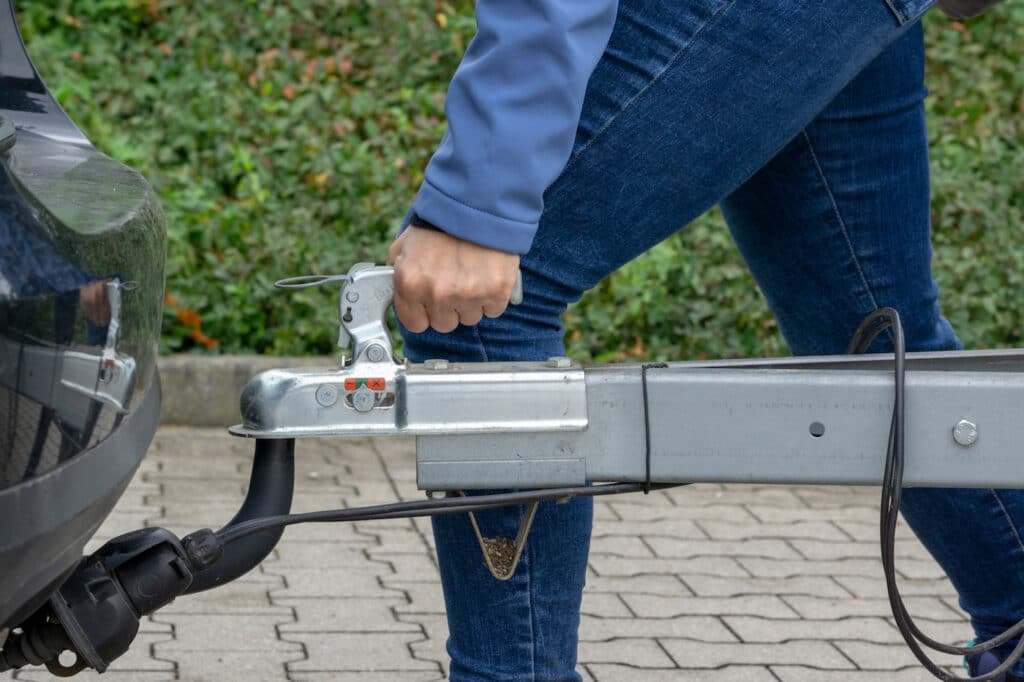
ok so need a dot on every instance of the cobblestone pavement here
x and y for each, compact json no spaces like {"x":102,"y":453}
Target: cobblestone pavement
{"x":737,"y":583}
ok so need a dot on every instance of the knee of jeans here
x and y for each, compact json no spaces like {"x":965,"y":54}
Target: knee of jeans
{"x":529,"y":331}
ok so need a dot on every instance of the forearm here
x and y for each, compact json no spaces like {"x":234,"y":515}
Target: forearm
{"x":513,"y":107}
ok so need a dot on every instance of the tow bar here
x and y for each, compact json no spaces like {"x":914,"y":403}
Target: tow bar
{"x":559,"y":429}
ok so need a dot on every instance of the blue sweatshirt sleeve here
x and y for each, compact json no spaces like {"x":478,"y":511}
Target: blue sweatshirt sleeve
{"x":513,"y":107}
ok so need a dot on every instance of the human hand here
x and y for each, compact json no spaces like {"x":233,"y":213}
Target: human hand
{"x":93,"y":299}
{"x":441,"y":280}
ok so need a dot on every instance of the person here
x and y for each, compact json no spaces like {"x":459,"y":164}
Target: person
{"x":583,"y":132}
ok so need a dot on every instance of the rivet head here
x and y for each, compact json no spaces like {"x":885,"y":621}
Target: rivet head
{"x":559,"y":362}
{"x":376,"y":353}
{"x":352,"y":297}
{"x":436,"y":363}
{"x":965,"y":432}
{"x":326,"y":394}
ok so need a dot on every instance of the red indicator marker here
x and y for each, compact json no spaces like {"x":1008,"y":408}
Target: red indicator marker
{"x":376,"y":384}
{"x":350,"y":384}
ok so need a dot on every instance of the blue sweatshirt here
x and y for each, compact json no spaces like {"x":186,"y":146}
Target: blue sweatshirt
{"x":512,"y":107}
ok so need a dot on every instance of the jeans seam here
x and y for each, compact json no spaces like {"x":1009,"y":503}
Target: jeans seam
{"x":533,"y":625}
{"x":839,"y":218}
{"x":480,"y":342}
{"x":1009,"y":519}
{"x":635,"y":98}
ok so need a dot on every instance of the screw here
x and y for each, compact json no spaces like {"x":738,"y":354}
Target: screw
{"x":326,"y":394}
{"x":435,"y":364}
{"x":559,"y":362}
{"x":352,"y":296}
{"x":376,"y":353}
{"x":965,"y":432}
{"x":363,"y":399}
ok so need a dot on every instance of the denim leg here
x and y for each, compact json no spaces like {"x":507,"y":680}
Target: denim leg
{"x":838,"y":225}
{"x":688,"y":102}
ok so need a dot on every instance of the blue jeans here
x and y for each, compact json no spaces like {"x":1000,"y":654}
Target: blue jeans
{"x":805,"y":122}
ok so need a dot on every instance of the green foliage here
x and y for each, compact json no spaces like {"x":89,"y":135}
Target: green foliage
{"x":288,"y":138}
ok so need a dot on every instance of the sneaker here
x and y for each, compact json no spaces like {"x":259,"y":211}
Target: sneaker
{"x":979,"y":664}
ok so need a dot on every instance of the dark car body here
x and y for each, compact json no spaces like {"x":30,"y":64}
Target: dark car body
{"x":82,"y":252}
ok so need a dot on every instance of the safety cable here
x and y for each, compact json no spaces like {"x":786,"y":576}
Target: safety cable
{"x":892,"y":493}
{"x":431,"y":507}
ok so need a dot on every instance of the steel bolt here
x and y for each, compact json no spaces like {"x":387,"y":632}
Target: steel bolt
{"x":560,"y":362}
{"x":352,"y":296}
{"x":363,"y":399}
{"x":326,"y":394}
{"x":376,"y":353}
{"x":965,"y":432}
{"x":436,"y":363}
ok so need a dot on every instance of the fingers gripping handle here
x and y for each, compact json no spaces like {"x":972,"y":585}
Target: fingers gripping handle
{"x":368,"y":292}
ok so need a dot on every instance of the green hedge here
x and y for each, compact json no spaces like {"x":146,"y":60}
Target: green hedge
{"x":288,"y":138}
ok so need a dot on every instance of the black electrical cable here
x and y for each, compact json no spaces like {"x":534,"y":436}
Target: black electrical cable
{"x":892,"y":492}
{"x":647,"y":421}
{"x":430,"y":507}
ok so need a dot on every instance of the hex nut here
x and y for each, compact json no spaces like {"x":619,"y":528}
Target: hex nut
{"x":435,"y":364}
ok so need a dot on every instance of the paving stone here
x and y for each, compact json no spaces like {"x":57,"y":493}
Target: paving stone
{"x":366,"y":676}
{"x":667,"y":585}
{"x":787,"y":673}
{"x":714,"y":586}
{"x":870,"y":656}
{"x":337,"y":554}
{"x":111,"y":675}
{"x":818,"y":549}
{"x":775,"y":496}
{"x":682,"y":512}
{"x":714,"y":655}
{"x":868,"y":587}
{"x":858,"y":514}
{"x":221,"y":666}
{"x":831,"y":609}
{"x":612,"y":672}
{"x":607,"y":565}
{"x":621,"y":546}
{"x":723,"y":530}
{"x":240,"y":597}
{"x":665,"y":527}
{"x":636,"y":652}
{"x":681,"y":548}
{"x":422,"y":597}
{"x":360,"y":581}
{"x":344,"y":615}
{"x":702,"y":628}
{"x":603,"y":605}
{"x":775,"y":630}
{"x":408,"y":567}
{"x":654,"y":606}
{"x":358,"y":652}
{"x":787,"y":568}
{"x":865,"y":529}
{"x":432,"y":647}
{"x":219,"y":632}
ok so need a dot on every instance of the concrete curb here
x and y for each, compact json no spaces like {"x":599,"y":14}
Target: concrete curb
{"x":203,"y":390}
